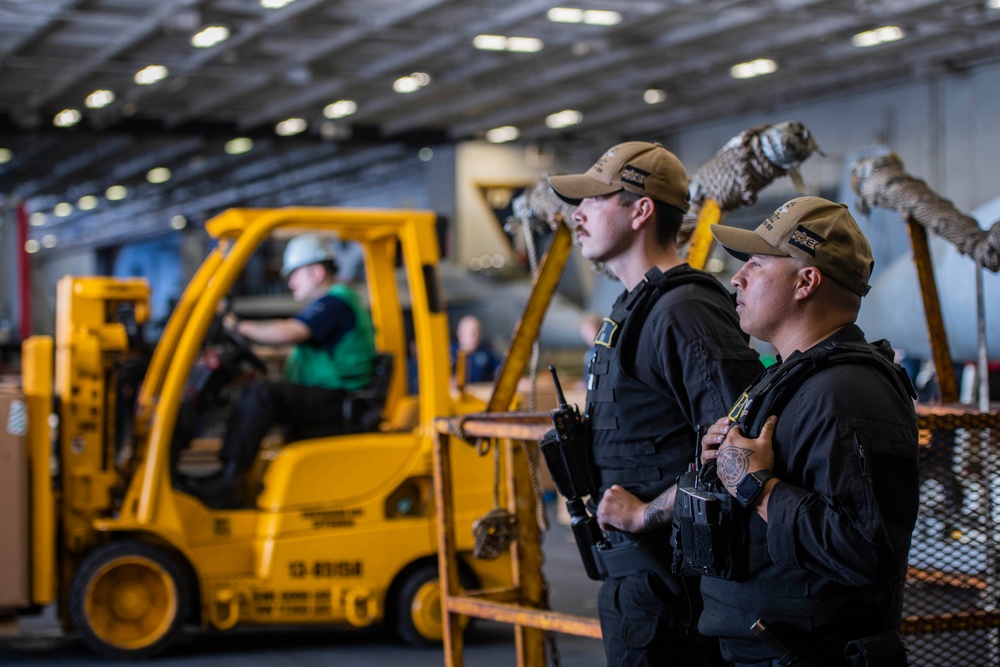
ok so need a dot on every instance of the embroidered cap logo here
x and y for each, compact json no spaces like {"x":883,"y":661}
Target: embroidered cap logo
{"x":635,"y":176}
{"x":805,"y":240}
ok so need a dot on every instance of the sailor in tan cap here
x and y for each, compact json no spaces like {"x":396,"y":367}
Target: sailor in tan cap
{"x":670,"y":356}
{"x":821,"y":451}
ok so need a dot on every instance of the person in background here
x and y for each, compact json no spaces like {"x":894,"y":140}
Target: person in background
{"x":481,"y":362}
{"x":821,"y":451}
{"x":669,"y":357}
{"x":333,"y":354}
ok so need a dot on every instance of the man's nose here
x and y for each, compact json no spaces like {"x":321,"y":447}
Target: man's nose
{"x":737,"y":280}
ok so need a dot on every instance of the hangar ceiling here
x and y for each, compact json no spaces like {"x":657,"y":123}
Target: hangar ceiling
{"x":275,"y":63}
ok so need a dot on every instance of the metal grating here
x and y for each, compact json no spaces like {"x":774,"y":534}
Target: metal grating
{"x":951,"y":614}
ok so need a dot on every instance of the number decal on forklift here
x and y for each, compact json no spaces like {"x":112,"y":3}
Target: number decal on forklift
{"x":221,"y":527}
{"x":323,"y":569}
{"x":326,"y":569}
{"x":332,"y":518}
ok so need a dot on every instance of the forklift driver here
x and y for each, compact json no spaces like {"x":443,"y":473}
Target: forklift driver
{"x":333,"y":355}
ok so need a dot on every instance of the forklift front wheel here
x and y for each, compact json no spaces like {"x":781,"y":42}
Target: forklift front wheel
{"x":129,"y":600}
{"x":418,"y":606}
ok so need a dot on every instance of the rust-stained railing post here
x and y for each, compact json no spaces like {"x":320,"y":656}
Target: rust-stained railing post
{"x":526,"y":553}
{"x":447,"y":574}
{"x":701,"y":239}
{"x":932,"y":311}
{"x":519,"y":350}
{"x":521,"y":605}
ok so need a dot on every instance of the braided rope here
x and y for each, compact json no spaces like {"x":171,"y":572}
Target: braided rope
{"x":882,"y":182}
{"x":747,"y":164}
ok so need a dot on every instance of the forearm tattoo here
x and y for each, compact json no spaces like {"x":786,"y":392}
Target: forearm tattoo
{"x":733,"y":464}
{"x":659,"y":512}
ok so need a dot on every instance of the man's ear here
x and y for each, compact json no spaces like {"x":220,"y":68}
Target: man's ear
{"x":808,"y":280}
{"x":644,"y":209}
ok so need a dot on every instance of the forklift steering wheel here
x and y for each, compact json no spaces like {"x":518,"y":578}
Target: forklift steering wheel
{"x":240,"y":342}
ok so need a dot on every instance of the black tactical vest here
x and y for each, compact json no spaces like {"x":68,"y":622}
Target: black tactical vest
{"x":624,"y":414}
{"x":797,"y":593}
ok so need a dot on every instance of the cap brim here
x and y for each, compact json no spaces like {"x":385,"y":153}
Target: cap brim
{"x":741,"y":243}
{"x":573,"y":188}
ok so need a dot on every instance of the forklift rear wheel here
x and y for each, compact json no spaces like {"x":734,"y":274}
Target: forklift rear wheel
{"x":418,"y":606}
{"x":129,"y":600}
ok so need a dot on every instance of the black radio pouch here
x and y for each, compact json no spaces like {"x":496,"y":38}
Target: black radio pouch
{"x":885,"y":649}
{"x":710,"y":529}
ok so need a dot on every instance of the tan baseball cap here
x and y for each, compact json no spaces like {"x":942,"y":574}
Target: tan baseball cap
{"x":813,"y":230}
{"x":647,"y":169}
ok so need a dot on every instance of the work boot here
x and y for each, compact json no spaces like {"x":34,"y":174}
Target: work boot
{"x":223,"y":489}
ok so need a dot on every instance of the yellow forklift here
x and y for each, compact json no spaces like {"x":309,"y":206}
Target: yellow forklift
{"x":341,"y":528}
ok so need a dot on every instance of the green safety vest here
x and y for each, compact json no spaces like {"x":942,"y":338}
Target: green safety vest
{"x":347,"y":365}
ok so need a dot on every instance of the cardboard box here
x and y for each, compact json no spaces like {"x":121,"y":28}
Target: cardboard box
{"x":14,"y":565}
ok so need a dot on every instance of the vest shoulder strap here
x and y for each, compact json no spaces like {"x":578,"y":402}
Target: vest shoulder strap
{"x":637,"y":306}
{"x":769,"y":394}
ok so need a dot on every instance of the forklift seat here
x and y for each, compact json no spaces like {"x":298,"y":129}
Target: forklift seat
{"x":362,"y":408}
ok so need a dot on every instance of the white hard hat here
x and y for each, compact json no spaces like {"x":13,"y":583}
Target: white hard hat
{"x":304,"y":250}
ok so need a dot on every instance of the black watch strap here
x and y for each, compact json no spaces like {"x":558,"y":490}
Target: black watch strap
{"x":751,"y":486}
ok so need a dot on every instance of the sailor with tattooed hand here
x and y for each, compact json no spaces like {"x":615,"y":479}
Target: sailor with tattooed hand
{"x":820,"y":455}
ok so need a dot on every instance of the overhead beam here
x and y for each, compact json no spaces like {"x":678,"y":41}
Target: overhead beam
{"x":391,"y":63}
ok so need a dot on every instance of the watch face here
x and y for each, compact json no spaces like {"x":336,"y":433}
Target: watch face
{"x":747,"y":489}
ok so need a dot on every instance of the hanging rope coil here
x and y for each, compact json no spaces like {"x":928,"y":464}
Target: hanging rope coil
{"x":747,"y":164}
{"x":882,"y":182}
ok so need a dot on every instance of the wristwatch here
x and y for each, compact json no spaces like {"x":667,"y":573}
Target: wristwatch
{"x":751,"y":485}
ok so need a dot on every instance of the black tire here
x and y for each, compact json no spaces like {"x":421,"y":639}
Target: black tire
{"x":129,"y":600}
{"x":417,"y":608}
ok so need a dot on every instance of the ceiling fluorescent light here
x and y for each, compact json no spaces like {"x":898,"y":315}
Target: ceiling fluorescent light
{"x":563,"y":118}
{"x":411,"y":83}
{"x":654,"y":96}
{"x":883,"y":35}
{"x":99,"y":99}
{"x":150,"y":74}
{"x":239,"y":145}
{"x":490,"y":42}
{"x":524,"y":44}
{"x":340,"y":109}
{"x":565,"y":15}
{"x":6,"y":155}
{"x":291,"y":126}
{"x":62,"y":209}
{"x":158,"y":175}
{"x":210,"y":36}
{"x":503,"y":43}
{"x":499,"y":135}
{"x":588,"y":16}
{"x":87,"y":203}
{"x":405,"y":84}
{"x":67,"y":118}
{"x":753,"y":68}
{"x":601,"y":17}
{"x":116,"y":193}
{"x":275,"y":4}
